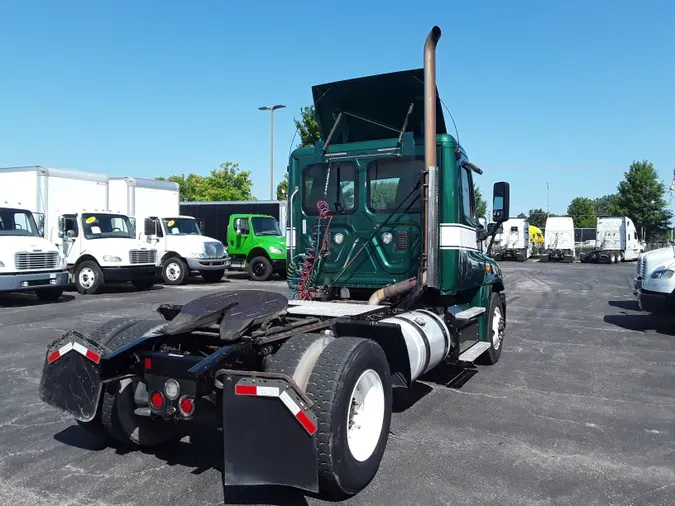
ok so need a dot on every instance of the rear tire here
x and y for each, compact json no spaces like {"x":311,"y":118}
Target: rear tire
{"x":351,"y":440}
{"x":212,"y":276}
{"x":49,"y":294}
{"x":143,"y":284}
{"x":495,"y":331}
{"x":260,"y":268}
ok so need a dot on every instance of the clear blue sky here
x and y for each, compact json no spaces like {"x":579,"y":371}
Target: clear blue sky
{"x":568,"y":93}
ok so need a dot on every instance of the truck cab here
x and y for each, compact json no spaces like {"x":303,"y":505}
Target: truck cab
{"x":255,"y":243}
{"x":28,"y":262}
{"x":182,"y":248}
{"x":100,"y":246}
{"x":558,"y":239}
{"x":515,"y":242}
{"x":654,"y":283}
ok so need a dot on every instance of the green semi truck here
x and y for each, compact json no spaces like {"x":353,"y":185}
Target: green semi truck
{"x":388,"y":279}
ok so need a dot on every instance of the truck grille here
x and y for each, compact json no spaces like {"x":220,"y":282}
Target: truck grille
{"x":214,"y":249}
{"x":643,"y":267}
{"x":34,"y":261}
{"x":139,"y":256}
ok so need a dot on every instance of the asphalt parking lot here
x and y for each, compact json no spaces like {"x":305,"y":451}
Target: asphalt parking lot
{"x":580,"y":409}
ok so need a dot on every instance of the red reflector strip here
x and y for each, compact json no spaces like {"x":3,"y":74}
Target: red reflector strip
{"x":245,"y":390}
{"x":85,"y":352}
{"x":298,"y":413}
{"x":148,"y":363}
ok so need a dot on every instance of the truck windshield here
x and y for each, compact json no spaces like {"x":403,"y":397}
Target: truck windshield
{"x":17,"y":222}
{"x":340,"y":193}
{"x":102,"y":226}
{"x":265,"y":226}
{"x":390,"y":183}
{"x":181,"y":226}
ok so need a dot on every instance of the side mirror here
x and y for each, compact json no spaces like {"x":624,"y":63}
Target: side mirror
{"x":70,"y":234}
{"x":501,"y":194}
{"x":133,"y":226}
{"x":237,"y":226}
{"x":62,"y":225}
{"x":149,"y":226}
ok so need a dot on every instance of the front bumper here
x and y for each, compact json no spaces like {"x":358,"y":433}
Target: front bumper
{"x":32,"y":280}
{"x":655,"y":302}
{"x":209,"y":264}
{"x":121,"y":274}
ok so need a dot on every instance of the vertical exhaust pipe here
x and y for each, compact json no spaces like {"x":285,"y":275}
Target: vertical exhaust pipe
{"x":428,"y":256}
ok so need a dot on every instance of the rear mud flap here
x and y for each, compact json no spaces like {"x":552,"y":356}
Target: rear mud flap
{"x":70,"y":380}
{"x":269,"y":432}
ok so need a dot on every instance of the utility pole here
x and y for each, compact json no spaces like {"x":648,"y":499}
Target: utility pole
{"x":548,"y":191}
{"x":271,"y":109}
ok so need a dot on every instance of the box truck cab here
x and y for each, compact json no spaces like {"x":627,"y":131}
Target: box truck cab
{"x":181,"y":247}
{"x":558,"y":239}
{"x":256,"y":244}
{"x":654,"y":283}
{"x":28,"y":261}
{"x":100,"y":246}
{"x":515,"y":241}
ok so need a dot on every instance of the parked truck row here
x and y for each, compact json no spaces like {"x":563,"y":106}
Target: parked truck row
{"x":616,"y":241}
{"x":64,"y":227}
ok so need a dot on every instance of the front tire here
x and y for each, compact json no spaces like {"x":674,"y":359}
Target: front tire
{"x":260,"y":268}
{"x":174,"y":271}
{"x":88,"y":277}
{"x":350,"y":388}
{"x":495,"y":331}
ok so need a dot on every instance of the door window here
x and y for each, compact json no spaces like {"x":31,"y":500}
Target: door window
{"x":391,"y":185}
{"x":340,"y":193}
{"x":468,"y":203}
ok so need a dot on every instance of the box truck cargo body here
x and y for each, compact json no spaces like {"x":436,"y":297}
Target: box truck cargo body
{"x":98,"y":244}
{"x":181,"y":247}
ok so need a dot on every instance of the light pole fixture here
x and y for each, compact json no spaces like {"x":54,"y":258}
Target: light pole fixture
{"x":271,"y":109}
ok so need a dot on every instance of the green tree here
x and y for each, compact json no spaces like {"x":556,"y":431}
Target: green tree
{"x":641,"y":197}
{"x":537,"y":217}
{"x":522,"y":216}
{"x":582,"y":211}
{"x":227,"y":182}
{"x":282,"y":188}
{"x":308,"y":127}
{"x":606,"y":205}
{"x":481,"y":205}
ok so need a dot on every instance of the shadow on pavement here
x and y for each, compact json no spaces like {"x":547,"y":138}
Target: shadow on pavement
{"x":630,"y":305}
{"x":29,"y":299}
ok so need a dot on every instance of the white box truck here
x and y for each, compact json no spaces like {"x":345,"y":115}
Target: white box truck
{"x":28,"y":261}
{"x":99,"y":245}
{"x":514,"y":241}
{"x":616,"y":240}
{"x":181,"y":247}
{"x":558,"y":239}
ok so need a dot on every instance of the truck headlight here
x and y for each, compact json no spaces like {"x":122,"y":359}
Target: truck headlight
{"x":111,"y":258}
{"x":197,"y":255}
{"x":275,"y":250}
{"x":662,"y":274}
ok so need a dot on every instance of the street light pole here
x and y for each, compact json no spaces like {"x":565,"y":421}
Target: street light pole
{"x":548,"y":191}
{"x":271,"y":109}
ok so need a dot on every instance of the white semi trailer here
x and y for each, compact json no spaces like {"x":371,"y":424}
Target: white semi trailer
{"x":616,"y":241}
{"x":181,"y":247}
{"x":98,"y":244}
{"x":514,"y":241}
{"x":558,"y":239}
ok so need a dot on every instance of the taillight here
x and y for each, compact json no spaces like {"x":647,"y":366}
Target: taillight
{"x":186,"y":405}
{"x":157,"y":400}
